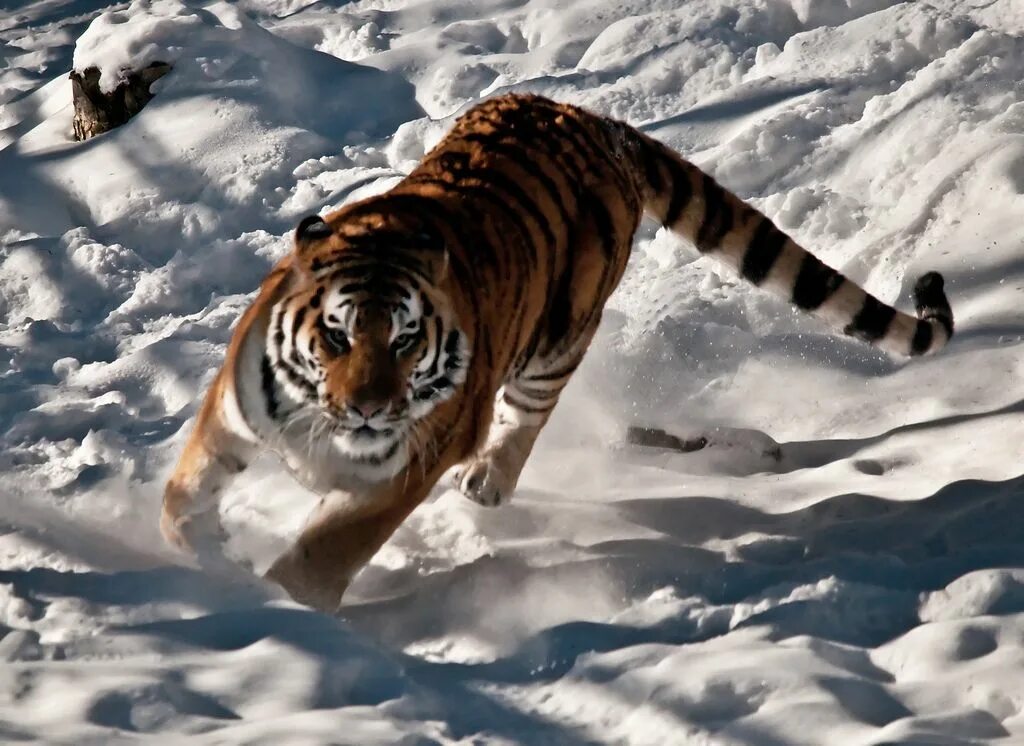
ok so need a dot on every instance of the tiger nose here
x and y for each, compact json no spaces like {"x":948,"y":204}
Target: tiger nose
{"x":366,"y":410}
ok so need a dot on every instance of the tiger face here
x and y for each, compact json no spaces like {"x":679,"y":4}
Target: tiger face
{"x":367,"y":345}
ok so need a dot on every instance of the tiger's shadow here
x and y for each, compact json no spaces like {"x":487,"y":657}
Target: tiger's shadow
{"x":871,"y":553}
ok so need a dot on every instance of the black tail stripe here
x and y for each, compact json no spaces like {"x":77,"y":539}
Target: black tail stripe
{"x":765,"y":247}
{"x":815,"y":283}
{"x":943,"y":318}
{"x":872,"y":321}
{"x":682,"y":192}
{"x":922,"y":338}
{"x":652,"y":171}
{"x":718,"y":218}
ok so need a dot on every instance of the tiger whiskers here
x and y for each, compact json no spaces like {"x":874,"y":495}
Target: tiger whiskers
{"x":420,"y":443}
{"x":320,"y":434}
{"x":294,"y":419}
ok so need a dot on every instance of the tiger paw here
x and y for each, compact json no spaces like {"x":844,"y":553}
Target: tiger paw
{"x":483,"y":482}
{"x":305,"y":582}
{"x":194,"y":534}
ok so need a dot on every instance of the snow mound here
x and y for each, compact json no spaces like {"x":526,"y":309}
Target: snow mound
{"x":120,"y":42}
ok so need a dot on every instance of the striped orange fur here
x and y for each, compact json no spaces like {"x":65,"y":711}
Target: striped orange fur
{"x":434,"y":326}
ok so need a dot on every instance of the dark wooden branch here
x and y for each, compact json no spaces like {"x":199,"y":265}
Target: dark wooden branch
{"x":97,"y":112}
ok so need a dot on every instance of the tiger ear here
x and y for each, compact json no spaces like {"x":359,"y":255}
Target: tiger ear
{"x":309,"y":232}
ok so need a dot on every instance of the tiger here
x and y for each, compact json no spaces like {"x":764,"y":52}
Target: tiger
{"x":430,"y":329}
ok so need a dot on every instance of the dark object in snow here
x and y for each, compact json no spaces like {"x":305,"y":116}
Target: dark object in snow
{"x":652,"y":437}
{"x":96,"y":111}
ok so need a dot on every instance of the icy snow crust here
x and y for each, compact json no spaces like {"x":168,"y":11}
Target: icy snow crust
{"x":863,"y":588}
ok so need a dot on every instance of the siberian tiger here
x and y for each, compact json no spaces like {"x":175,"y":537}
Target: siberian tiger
{"x":435,"y":325}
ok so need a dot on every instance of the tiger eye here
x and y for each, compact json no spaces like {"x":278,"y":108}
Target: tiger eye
{"x":338,"y":341}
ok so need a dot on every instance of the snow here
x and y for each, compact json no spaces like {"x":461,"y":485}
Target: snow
{"x":842,"y":562}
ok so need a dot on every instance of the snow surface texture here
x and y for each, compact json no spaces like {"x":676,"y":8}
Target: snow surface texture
{"x":861,"y":588}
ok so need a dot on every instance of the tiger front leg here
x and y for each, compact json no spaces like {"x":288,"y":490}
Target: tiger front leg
{"x":341,"y":535}
{"x":490,"y":476}
{"x":189,"y":518}
{"x":213,"y":455}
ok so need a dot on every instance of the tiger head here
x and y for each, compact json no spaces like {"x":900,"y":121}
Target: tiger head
{"x":367,"y":340}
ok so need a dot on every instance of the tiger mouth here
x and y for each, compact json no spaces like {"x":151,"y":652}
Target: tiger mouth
{"x":366,"y":433}
{"x":369,"y":446}
{"x":369,"y":431}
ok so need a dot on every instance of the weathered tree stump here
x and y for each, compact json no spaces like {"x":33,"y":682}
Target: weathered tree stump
{"x":96,"y":111}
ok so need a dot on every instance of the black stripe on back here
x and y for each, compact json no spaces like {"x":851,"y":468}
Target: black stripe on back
{"x":503,"y":182}
{"x":391,"y":238}
{"x":541,"y":129}
{"x":597,"y":210}
{"x":406,"y":204}
{"x":518,"y":154}
{"x":765,"y":247}
{"x":815,"y":283}
{"x":922,"y":338}
{"x":872,"y":321}
{"x":496,"y":178}
{"x":469,"y":192}
{"x":581,"y":136}
{"x":718,"y":218}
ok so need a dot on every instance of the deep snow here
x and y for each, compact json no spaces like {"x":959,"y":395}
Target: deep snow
{"x":841,"y":565}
